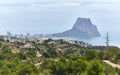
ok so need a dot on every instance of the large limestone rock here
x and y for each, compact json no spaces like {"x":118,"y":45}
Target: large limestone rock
{"x":83,"y":28}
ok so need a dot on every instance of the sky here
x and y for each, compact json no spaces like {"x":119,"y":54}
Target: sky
{"x":53,"y":16}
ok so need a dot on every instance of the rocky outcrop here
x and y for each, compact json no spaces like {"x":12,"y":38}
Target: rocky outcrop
{"x":83,"y":28}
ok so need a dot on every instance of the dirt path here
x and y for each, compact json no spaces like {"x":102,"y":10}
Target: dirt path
{"x":38,"y":64}
{"x":112,"y":64}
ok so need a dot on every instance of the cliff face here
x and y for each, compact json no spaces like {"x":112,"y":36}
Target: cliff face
{"x":83,"y":28}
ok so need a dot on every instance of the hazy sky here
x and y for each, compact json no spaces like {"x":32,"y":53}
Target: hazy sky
{"x":49,"y":16}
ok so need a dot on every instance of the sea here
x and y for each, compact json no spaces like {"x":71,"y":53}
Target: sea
{"x":114,"y":39}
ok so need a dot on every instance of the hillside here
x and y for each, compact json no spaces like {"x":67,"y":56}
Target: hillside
{"x":56,"y":57}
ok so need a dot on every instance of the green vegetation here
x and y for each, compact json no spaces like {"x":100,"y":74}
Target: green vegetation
{"x":55,"y":57}
{"x":76,"y":67}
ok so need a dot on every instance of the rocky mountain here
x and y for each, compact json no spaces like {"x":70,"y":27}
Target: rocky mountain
{"x":83,"y":28}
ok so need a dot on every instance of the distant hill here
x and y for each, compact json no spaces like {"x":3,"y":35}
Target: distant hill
{"x":83,"y":28}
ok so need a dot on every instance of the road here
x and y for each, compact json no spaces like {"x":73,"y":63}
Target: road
{"x":112,"y":64}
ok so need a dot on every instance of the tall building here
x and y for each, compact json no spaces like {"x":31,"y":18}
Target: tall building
{"x":9,"y":34}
